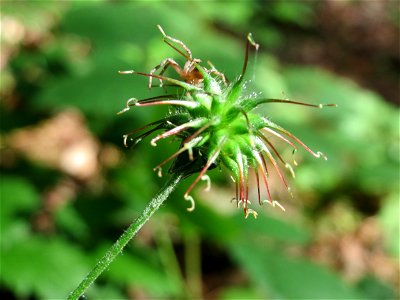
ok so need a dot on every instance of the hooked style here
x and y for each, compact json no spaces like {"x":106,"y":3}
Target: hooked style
{"x":215,"y":122}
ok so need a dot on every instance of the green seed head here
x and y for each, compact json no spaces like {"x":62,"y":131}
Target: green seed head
{"x":215,"y":122}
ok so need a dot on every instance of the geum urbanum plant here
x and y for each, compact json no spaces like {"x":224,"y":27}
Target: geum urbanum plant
{"x":214,"y":121}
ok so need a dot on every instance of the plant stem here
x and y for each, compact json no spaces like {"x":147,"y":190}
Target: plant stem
{"x":170,"y":262}
{"x":116,"y":249}
{"x":193,"y":263}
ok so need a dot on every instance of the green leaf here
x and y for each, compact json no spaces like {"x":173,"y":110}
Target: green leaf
{"x":69,"y":219}
{"x":273,"y":228}
{"x":109,"y":291}
{"x":239,"y":293}
{"x":48,"y":268}
{"x":132,"y":270}
{"x":236,"y":14}
{"x":18,"y":198}
{"x":17,"y":194}
{"x":389,"y":219}
{"x":373,"y":288}
{"x":282,"y":276}
{"x":299,"y":13}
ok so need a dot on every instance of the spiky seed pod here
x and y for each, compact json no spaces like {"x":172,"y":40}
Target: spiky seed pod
{"x":215,"y":122}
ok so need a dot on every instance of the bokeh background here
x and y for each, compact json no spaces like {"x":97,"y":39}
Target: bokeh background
{"x":69,"y":187}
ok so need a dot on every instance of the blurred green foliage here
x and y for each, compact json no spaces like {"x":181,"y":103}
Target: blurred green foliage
{"x":72,"y":60}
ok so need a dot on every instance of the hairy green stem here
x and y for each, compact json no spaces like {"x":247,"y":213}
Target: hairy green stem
{"x":116,"y":249}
